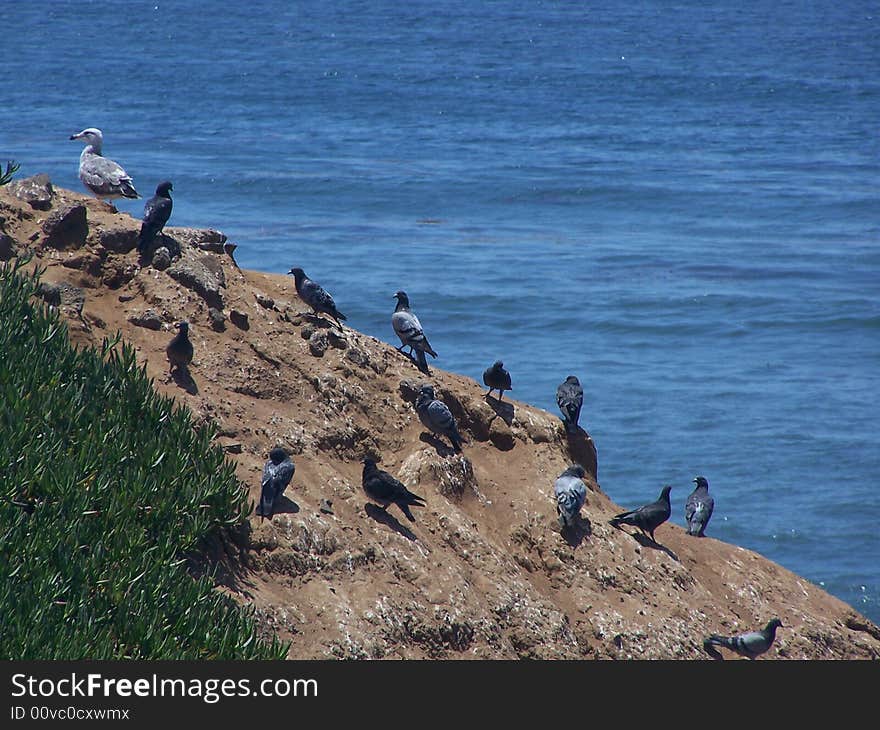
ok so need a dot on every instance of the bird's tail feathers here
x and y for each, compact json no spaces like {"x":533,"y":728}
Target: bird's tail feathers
{"x":422,"y":361}
{"x":404,"y":507}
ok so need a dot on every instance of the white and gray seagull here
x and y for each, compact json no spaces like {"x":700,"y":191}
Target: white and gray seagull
{"x":104,"y":177}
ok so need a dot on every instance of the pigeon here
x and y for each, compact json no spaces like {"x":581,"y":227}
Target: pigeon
{"x":408,"y":328}
{"x":698,"y":508}
{"x":383,"y":488}
{"x":105,"y":178}
{"x":647,"y":517}
{"x":157,"y":211}
{"x":751,"y":644}
{"x":497,"y":378}
{"x":436,"y":416}
{"x":180,"y":349}
{"x":277,"y":474}
{"x":570,"y":398}
{"x":571,"y":493}
{"x":314,"y":295}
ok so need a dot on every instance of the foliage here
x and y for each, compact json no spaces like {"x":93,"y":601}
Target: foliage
{"x":106,"y":488}
{"x":11,"y":168}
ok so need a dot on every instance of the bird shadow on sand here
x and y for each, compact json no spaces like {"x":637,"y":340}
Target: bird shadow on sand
{"x":381,"y":515}
{"x":285,"y":506}
{"x":647,"y":542}
{"x":443,"y":449}
{"x":184,"y":380}
{"x":505,"y":411}
{"x":576,"y":534}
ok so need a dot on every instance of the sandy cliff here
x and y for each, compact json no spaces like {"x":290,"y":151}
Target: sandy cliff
{"x":483,"y":572}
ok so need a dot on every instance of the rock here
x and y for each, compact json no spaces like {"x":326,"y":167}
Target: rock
{"x":63,"y":294}
{"x":117,"y":238}
{"x":307,"y":331}
{"x":336,"y":338}
{"x":195,"y":237}
{"x":239,"y":319}
{"x":500,"y":435}
{"x":118,"y":273}
{"x":86,"y":261}
{"x":148,"y":319}
{"x":358,"y":357}
{"x":8,"y":249}
{"x":199,"y":273}
{"x":36,"y":191}
{"x":265,"y":302}
{"x":218,"y":319}
{"x":318,"y":344}
{"x":67,"y":227}
{"x":161,"y":258}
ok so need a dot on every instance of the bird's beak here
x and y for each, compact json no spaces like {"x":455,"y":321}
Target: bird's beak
{"x":74,"y":136}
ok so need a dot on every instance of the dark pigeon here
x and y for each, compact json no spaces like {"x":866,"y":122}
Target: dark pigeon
{"x":277,"y":474}
{"x":383,"y":488}
{"x":750,"y":644}
{"x":647,"y":517}
{"x":157,"y":211}
{"x":497,"y":378}
{"x":570,"y":398}
{"x":180,"y":349}
{"x":436,"y":416}
{"x":571,"y":493}
{"x":698,"y":508}
{"x":314,"y":295}
{"x":408,"y":328}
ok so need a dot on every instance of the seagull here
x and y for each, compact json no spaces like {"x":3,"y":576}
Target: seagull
{"x":497,"y":378}
{"x":647,"y":517}
{"x":314,"y":295}
{"x":408,"y":328}
{"x":436,"y":416}
{"x":157,"y":211}
{"x":180,"y":349}
{"x":571,"y":493}
{"x":277,"y":473}
{"x":104,"y":177}
{"x":570,"y":398}
{"x":383,"y":488}
{"x":751,"y":644}
{"x":698,"y":508}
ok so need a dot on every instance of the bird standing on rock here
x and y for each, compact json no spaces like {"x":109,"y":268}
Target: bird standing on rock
{"x":751,"y":644}
{"x":436,"y":416}
{"x":383,"y":488}
{"x":648,"y":517}
{"x":180,"y":349}
{"x":104,"y":177}
{"x":314,"y":295}
{"x":571,"y":493}
{"x":698,"y":508}
{"x":497,"y":378}
{"x":157,"y":211}
{"x":408,"y":328}
{"x":570,"y":398}
{"x":277,"y":473}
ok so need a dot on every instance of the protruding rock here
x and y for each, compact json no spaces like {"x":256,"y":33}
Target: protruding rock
{"x":67,"y":227}
{"x":63,"y":294}
{"x":265,"y":302}
{"x":218,"y":319}
{"x":36,"y":191}
{"x":117,"y":238}
{"x":197,"y":272}
{"x":148,"y":319}
{"x":318,"y":343}
{"x":161,"y":258}
{"x":239,"y":319}
{"x":501,"y":435}
{"x":118,"y":273}
{"x":452,"y":477}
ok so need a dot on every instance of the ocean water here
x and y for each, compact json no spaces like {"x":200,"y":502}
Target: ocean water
{"x":677,"y":202}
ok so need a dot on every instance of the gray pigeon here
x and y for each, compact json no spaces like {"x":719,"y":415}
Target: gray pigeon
{"x":497,"y":378}
{"x":314,"y":295}
{"x":698,"y":508}
{"x":750,"y":644}
{"x":571,"y":493}
{"x":105,"y":178}
{"x":648,"y":517}
{"x":157,"y":211}
{"x":180,"y":349}
{"x":570,"y":398}
{"x":408,"y":328}
{"x":436,"y":416}
{"x":277,"y":473}
{"x":383,"y":488}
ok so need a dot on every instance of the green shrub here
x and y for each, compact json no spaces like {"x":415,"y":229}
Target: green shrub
{"x":11,"y":168}
{"x":106,"y":488}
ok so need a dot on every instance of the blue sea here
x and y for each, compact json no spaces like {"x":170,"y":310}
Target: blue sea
{"x":679,"y":202}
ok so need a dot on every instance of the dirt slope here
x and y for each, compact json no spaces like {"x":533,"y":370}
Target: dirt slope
{"x":483,"y":572}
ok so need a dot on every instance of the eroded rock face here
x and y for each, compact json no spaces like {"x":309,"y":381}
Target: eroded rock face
{"x":66,"y":227}
{"x":201,"y":274}
{"x":36,"y":191}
